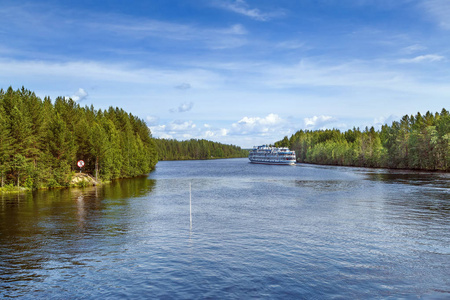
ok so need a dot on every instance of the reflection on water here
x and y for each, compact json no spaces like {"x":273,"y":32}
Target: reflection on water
{"x":423,"y":195}
{"x":257,"y":231}
{"x":435,"y":180}
{"x":326,"y":185}
{"x":50,"y":230}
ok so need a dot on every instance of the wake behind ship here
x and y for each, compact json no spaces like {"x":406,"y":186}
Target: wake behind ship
{"x":272,"y":155}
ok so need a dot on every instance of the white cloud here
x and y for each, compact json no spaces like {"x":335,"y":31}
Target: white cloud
{"x":311,"y":74}
{"x":214,"y":133}
{"x":180,"y":126}
{"x":182,"y":130}
{"x":439,"y":11}
{"x":267,"y":130}
{"x":175,"y":130}
{"x":79,"y":95}
{"x":184,"y":107}
{"x":423,"y":58}
{"x":152,"y":120}
{"x":164,"y":136}
{"x":145,"y":28}
{"x":257,"y":125}
{"x":317,"y":122}
{"x":378,"y":122}
{"x":241,"y":7}
{"x":159,"y":131}
{"x":209,"y":134}
{"x":413,"y":48}
{"x":37,"y":21}
{"x":223,"y":132}
{"x":352,"y":80}
{"x":90,"y":71}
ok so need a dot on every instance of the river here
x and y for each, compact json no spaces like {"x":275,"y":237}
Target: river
{"x":258,"y":231}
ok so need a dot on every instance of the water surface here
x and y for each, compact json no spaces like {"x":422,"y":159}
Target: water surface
{"x":258,"y":231}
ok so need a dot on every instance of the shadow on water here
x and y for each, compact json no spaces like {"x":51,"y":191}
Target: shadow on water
{"x":326,"y":185}
{"x":420,"y":195}
{"x":437,"y":180}
{"x":410,"y":195}
{"x":49,"y":230}
{"x":258,"y":231}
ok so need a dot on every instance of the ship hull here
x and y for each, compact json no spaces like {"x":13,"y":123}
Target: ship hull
{"x":286,"y":162}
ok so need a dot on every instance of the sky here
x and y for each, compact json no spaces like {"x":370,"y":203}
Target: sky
{"x":241,"y":72}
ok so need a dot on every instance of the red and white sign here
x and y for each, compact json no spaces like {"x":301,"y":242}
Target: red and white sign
{"x":80,"y":163}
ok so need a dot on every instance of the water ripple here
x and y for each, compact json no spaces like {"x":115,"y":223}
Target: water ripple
{"x":258,"y":231}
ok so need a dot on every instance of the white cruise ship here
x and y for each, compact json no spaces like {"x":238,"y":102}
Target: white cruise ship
{"x":272,"y":155}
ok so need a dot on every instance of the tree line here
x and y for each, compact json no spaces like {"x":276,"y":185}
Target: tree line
{"x":169,"y":149}
{"x":41,"y":141}
{"x":420,"y":142}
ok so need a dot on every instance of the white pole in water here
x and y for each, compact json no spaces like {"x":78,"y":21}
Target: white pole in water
{"x":190,"y":204}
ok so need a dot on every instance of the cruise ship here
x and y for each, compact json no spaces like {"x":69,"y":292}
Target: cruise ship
{"x":272,"y":155}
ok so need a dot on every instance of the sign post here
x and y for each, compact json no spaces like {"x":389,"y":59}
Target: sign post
{"x":80,"y":164}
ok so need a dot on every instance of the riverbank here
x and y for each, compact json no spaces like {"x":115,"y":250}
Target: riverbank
{"x":78,"y":180}
{"x":211,"y":158}
{"x":82,"y":180}
{"x":11,"y":189}
{"x":374,"y":168}
{"x":415,"y":143}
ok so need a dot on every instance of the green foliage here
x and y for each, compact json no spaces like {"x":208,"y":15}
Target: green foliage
{"x":6,"y":149}
{"x":196,"y":149}
{"x":415,"y":142}
{"x":8,"y":188}
{"x":18,"y":164}
{"x":41,"y":142}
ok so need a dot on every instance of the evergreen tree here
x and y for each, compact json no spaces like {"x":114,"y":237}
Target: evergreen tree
{"x":6,"y":149}
{"x":196,"y":149}
{"x":415,"y":142}
{"x":40,"y":142}
{"x":18,"y":164}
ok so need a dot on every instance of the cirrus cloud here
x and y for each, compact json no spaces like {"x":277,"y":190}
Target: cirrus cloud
{"x":439,"y":11}
{"x":242,"y":8}
{"x":423,"y":58}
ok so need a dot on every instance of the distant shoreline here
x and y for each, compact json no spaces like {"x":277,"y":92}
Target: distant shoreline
{"x":376,"y":168}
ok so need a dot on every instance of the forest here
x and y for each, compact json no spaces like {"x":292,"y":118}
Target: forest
{"x":420,"y":142}
{"x":196,"y":149}
{"x":41,"y":141}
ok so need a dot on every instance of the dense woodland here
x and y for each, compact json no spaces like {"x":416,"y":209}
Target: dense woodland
{"x":41,"y":141}
{"x":419,"y":142}
{"x":196,"y":149}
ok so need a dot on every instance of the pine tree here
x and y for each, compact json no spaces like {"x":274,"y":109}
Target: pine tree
{"x":6,"y":149}
{"x":41,"y":142}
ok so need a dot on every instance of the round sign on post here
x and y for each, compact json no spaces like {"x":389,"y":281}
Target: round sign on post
{"x":80,"y":164}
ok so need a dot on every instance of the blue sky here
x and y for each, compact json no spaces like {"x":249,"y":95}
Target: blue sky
{"x":243,"y":72}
